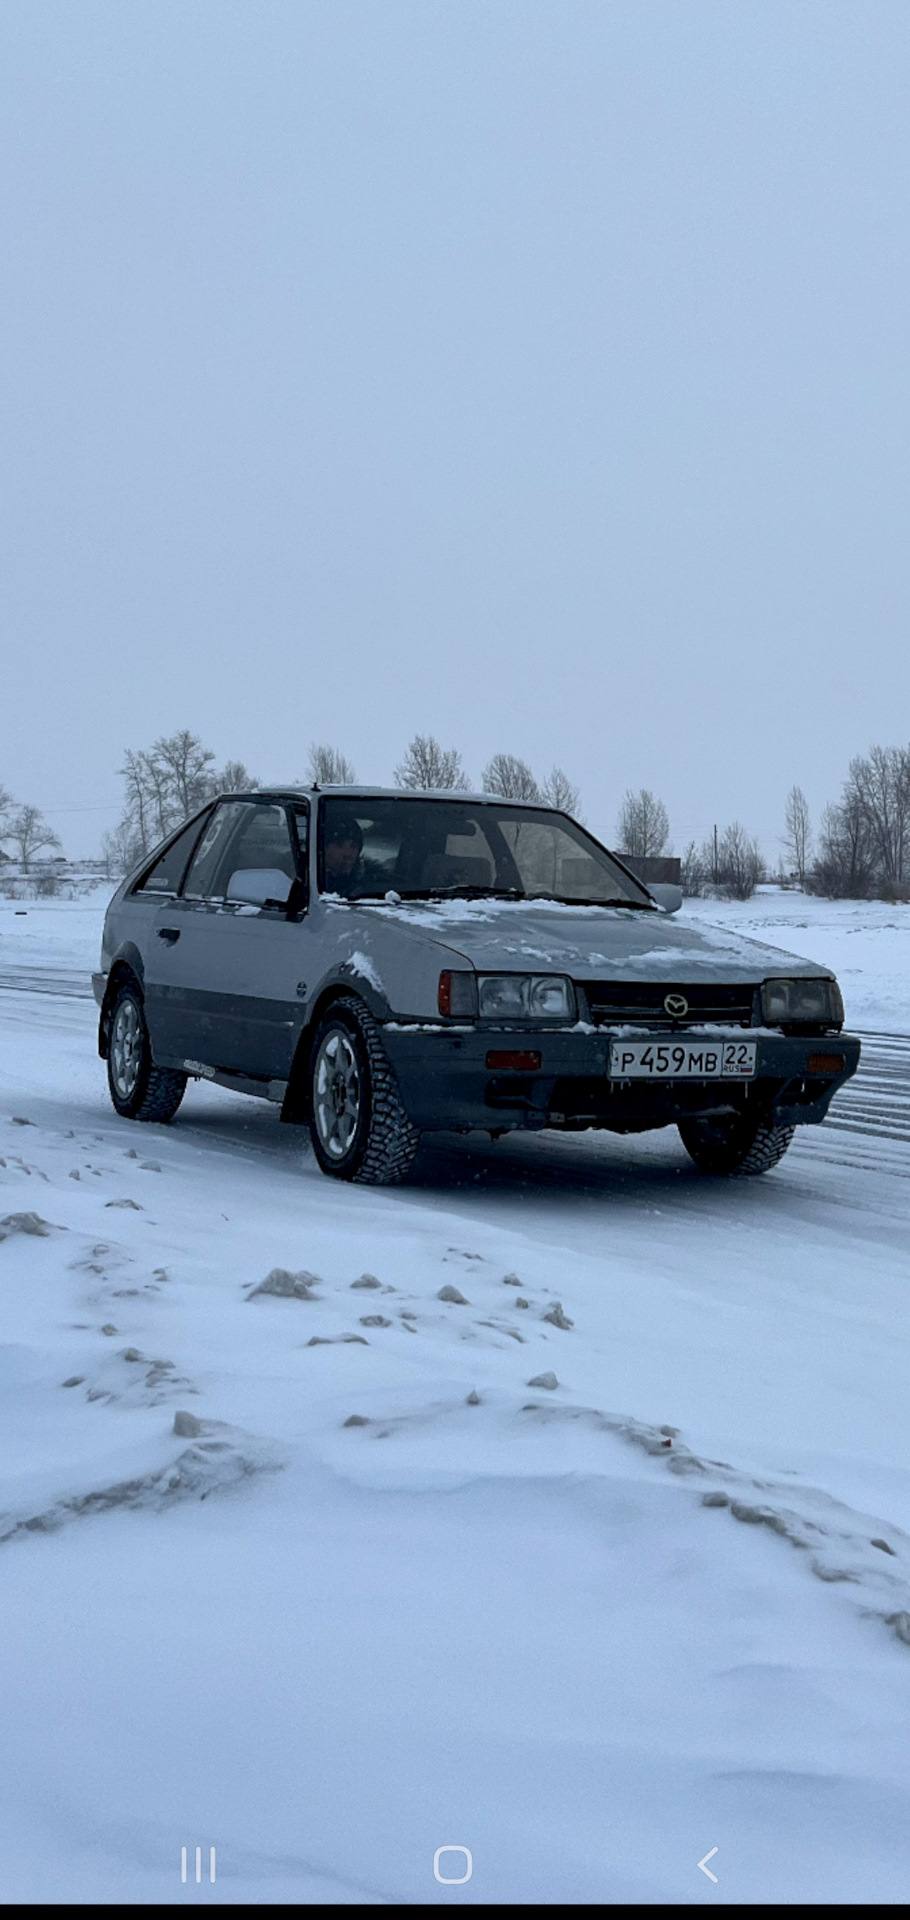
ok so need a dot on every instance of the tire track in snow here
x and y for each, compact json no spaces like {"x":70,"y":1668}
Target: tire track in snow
{"x":63,"y":983}
{"x":877,"y":1100}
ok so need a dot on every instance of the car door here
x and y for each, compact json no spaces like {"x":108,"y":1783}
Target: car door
{"x":222,"y":974}
{"x":132,"y":935}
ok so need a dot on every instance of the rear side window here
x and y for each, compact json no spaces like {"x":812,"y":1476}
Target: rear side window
{"x":168,"y":871}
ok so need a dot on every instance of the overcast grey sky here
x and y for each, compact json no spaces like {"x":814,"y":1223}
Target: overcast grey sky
{"x":535,"y":374}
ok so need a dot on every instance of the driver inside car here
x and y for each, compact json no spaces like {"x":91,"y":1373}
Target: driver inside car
{"x":343,"y":848}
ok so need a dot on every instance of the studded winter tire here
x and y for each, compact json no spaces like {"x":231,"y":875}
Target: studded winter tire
{"x":138,"y":1089}
{"x":358,"y":1124}
{"x":734,"y":1143}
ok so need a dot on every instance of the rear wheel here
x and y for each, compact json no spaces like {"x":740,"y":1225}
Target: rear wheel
{"x":138,"y":1089}
{"x":734,"y":1143}
{"x":359,"y":1127}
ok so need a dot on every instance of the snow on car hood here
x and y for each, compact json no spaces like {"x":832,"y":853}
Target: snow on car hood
{"x":593,"y":943}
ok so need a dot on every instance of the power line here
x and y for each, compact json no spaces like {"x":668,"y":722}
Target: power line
{"x":109,"y":806}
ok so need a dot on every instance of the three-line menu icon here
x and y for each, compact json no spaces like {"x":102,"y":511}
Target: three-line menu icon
{"x":198,"y":1865}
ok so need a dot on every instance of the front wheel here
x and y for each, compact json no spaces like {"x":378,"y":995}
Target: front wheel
{"x":139,"y":1090}
{"x":734,"y":1143}
{"x":358,"y":1124}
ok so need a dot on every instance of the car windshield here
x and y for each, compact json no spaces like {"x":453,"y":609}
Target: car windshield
{"x":427,"y":849}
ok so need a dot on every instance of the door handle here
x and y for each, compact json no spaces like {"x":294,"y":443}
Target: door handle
{"x":170,"y":934}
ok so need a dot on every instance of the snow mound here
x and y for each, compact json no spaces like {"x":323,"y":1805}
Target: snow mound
{"x":287,"y":1286}
{"x":842,"y":1546}
{"x":25,"y":1223}
{"x":221,"y":1458}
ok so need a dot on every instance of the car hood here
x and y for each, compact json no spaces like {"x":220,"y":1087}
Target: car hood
{"x":592,"y":943}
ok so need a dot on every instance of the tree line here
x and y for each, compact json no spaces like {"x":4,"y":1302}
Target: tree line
{"x":862,"y":848}
{"x":177,"y":774}
{"x":864,"y":843}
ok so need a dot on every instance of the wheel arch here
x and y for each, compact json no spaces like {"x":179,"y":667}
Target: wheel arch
{"x":295,"y":1109}
{"x":127,"y":966}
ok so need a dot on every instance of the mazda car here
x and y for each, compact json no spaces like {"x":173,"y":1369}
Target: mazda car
{"x":384,"y":964}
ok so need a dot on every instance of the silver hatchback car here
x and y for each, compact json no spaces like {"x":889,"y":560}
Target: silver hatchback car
{"x":383,"y":964}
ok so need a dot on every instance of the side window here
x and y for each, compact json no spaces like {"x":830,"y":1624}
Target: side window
{"x":212,"y":849}
{"x":166,"y":874}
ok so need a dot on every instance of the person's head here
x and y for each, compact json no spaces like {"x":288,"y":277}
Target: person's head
{"x":343,"y":842}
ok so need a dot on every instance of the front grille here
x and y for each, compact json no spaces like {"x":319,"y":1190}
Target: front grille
{"x":616,"y":1003}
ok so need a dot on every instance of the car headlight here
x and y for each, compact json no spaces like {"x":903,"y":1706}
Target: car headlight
{"x":792,"y":1003}
{"x":525,"y":996}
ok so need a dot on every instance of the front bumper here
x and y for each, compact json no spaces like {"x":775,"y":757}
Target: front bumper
{"x":446,"y":1084}
{"x":99,"y":987}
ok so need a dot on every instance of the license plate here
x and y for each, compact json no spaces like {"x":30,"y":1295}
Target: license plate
{"x":682,"y":1060}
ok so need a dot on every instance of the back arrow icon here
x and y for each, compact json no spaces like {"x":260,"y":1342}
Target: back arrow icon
{"x":704,"y":1867}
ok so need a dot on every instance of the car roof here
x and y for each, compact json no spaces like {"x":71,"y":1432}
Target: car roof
{"x":352,"y":793}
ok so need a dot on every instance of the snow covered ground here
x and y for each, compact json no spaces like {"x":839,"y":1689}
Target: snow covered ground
{"x":311,"y":1572}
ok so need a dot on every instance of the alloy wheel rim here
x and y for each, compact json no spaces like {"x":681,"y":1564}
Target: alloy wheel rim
{"x":337,"y":1094}
{"x":126,"y":1049}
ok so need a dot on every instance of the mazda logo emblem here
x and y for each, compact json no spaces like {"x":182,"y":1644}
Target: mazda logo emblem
{"x":677,"y":1006}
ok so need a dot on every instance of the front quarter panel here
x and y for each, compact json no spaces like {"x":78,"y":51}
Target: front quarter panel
{"x":393,"y":967}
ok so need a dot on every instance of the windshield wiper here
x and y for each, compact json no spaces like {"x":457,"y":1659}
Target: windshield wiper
{"x":456,"y":892}
{"x":572,"y":900}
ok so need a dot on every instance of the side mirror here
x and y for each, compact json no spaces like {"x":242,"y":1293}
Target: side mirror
{"x":260,"y":887}
{"x":668,"y":898}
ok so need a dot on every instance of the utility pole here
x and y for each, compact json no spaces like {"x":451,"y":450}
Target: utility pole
{"x":715,"y":856}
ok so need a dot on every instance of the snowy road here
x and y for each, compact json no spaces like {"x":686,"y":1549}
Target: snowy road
{"x":877,"y":1100}
{"x":64,"y":983}
{"x":428,"y":1601}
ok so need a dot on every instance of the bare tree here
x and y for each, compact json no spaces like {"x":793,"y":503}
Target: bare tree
{"x":6,"y":802}
{"x":165,"y":783}
{"x":692,"y":871}
{"x":147,"y":809}
{"x":558,"y":791}
{"x":798,"y":832}
{"x":879,"y":785}
{"x":119,"y":850}
{"x":739,"y":865}
{"x":864,"y":844}
{"x":845,"y":866}
{"x":184,"y":763}
{"x":234,"y":777}
{"x":329,"y":768}
{"x":511,"y":778}
{"x":644,"y":827}
{"x":30,"y":833}
{"x":427,"y":767}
